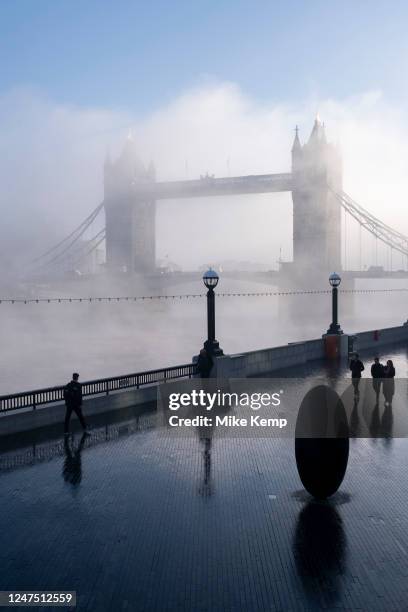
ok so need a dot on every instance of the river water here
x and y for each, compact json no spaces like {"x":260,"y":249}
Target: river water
{"x":42,"y":344}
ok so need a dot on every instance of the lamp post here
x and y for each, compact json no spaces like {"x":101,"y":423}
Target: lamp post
{"x":210,"y":279}
{"x":334,"y":280}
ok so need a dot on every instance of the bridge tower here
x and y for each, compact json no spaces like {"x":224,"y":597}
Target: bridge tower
{"x":130,"y":218}
{"x":316,"y":166}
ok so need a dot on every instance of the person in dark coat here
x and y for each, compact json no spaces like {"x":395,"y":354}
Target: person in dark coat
{"x":389,"y":382}
{"x":204,"y":364}
{"x":73,"y":403}
{"x":356,"y":367}
{"x":377,"y":373}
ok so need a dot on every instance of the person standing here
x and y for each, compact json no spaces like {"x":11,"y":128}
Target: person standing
{"x":73,"y":403}
{"x":389,"y":382}
{"x":356,"y":367}
{"x":204,"y":364}
{"x":377,"y":373}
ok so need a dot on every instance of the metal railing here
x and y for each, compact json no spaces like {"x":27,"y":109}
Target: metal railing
{"x":50,"y":395}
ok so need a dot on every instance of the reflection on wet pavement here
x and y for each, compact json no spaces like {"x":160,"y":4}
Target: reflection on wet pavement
{"x":134,"y":519}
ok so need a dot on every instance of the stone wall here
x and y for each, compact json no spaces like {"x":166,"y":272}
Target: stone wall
{"x":254,"y":363}
{"x":379,"y":337}
{"x":242,"y":365}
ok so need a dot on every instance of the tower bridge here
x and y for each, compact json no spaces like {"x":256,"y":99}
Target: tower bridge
{"x":131,"y":193}
{"x":208,"y":186}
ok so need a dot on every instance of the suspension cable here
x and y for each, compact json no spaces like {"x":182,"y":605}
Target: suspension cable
{"x":69,"y":245}
{"x":102,"y":235}
{"x":86,"y":223}
{"x":377,"y":228}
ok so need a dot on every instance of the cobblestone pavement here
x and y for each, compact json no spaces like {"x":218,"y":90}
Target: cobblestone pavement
{"x":136,"y":520}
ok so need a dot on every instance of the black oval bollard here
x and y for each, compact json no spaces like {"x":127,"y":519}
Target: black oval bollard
{"x":321,"y":442}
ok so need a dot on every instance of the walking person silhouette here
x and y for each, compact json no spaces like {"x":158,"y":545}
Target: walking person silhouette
{"x":73,"y":403}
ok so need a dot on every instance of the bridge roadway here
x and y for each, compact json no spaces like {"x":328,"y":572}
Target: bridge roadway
{"x":164,"y":281}
{"x":211,"y":186}
{"x":274,"y":278}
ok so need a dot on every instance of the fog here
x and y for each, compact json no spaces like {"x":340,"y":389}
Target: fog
{"x":44,"y":343}
{"x":51,"y":178}
{"x":52,"y":158}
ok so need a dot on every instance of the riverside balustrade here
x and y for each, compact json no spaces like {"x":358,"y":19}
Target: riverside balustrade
{"x":50,"y":395}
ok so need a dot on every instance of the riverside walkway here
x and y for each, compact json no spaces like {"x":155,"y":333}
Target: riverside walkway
{"x":135,"y":519}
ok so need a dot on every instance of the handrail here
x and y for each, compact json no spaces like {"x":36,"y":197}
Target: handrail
{"x":50,"y":395}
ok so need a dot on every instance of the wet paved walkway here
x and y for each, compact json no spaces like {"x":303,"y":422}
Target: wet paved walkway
{"x":136,"y":520}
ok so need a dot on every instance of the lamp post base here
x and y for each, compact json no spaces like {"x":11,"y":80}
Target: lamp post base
{"x":213,"y":348}
{"x":335,"y":329}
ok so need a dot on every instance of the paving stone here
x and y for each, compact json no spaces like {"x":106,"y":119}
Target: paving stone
{"x":137,"y":520}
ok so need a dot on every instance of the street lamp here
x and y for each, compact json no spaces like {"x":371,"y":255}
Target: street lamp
{"x":334,"y":280}
{"x":210,"y":279}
